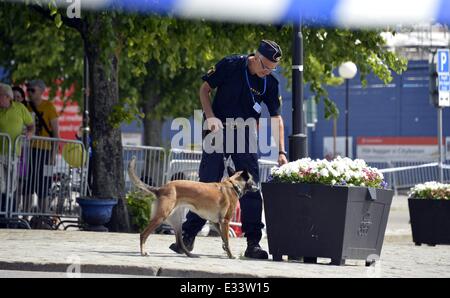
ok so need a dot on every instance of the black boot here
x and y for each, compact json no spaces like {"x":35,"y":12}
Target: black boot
{"x":188,"y":241}
{"x":254,"y":251}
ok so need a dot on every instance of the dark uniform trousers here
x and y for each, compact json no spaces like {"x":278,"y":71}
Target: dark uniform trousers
{"x":211,"y":170}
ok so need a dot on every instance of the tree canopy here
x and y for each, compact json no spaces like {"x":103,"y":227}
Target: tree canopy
{"x":152,"y":64}
{"x":172,"y":54}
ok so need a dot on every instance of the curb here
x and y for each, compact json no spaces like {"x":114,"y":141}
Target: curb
{"x":122,"y":270}
{"x":398,"y":238}
{"x":85,"y":268}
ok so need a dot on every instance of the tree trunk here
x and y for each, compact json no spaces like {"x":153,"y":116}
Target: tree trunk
{"x":152,"y":125}
{"x":152,"y":129}
{"x":107,"y":162}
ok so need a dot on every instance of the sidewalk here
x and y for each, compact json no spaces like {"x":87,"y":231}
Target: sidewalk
{"x":398,"y":227}
{"x":119,"y":254}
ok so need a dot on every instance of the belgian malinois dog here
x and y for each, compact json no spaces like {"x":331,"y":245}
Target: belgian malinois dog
{"x":215,"y":202}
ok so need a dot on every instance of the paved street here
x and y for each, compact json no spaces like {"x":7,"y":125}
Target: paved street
{"x":112,"y":253}
{"x":118,"y":254}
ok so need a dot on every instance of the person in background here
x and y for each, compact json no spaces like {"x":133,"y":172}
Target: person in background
{"x":43,"y":152}
{"x":13,"y":118}
{"x":19,"y":95}
{"x":44,"y":112}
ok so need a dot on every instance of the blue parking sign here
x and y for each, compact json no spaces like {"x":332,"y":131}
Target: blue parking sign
{"x":444,"y":83}
{"x":442,"y":63}
{"x":443,"y":78}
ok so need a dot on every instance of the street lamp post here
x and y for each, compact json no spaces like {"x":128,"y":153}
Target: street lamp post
{"x":298,"y":140}
{"x":347,"y":70}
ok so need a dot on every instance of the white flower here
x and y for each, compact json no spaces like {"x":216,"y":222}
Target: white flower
{"x":425,"y":189}
{"x":340,"y":170}
{"x":274,"y":171}
{"x":357,"y":174}
{"x":334,"y":173}
{"x":324,"y":172}
{"x":347,"y":176}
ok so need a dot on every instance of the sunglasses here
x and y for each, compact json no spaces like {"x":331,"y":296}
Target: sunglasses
{"x":265,"y":67}
{"x":31,"y":90}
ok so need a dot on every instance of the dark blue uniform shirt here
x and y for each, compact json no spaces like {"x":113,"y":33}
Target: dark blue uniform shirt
{"x":233,"y":98}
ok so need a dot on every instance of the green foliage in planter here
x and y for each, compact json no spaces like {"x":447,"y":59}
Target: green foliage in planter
{"x":140,"y":209}
{"x":431,"y":190}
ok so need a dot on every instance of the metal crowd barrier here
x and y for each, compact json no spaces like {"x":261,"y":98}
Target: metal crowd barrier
{"x":5,"y":174}
{"x":183,"y":165}
{"x":406,"y":174}
{"x":151,"y":163}
{"x":264,"y":169}
{"x":50,"y":175}
{"x":417,"y":173}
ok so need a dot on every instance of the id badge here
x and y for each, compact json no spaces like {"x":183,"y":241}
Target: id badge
{"x":257,"y":107}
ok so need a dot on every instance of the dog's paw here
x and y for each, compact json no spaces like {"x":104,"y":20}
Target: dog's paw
{"x":144,"y":254}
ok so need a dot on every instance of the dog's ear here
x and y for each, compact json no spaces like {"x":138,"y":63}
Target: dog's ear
{"x":230,"y":171}
{"x":245,"y":175}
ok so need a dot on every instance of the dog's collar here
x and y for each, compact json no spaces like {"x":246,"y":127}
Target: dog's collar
{"x":237,"y":189}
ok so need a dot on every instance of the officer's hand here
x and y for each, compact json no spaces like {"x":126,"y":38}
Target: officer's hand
{"x":214,"y":124}
{"x":282,"y":159}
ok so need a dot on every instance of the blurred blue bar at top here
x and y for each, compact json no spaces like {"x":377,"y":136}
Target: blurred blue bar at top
{"x":339,"y":13}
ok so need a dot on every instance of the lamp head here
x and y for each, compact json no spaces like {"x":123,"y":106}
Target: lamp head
{"x":347,"y":70}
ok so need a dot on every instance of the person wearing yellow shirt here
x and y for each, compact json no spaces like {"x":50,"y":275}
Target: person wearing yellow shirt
{"x":13,"y":118}
{"x":43,"y":153}
{"x":47,"y":120}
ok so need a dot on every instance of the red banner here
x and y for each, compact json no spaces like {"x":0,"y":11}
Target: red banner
{"x":69,"y":118}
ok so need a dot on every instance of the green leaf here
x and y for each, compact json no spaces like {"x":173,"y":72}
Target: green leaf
{"x":58,"y":21}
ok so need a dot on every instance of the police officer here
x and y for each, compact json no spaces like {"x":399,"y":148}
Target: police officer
{"x":243,"y":82}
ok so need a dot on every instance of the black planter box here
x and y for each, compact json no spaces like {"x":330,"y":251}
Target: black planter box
{"x":430,"y":221}
{"x":313,"y":220}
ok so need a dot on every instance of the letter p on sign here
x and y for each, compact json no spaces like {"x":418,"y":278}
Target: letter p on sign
{"x":443,"y":61}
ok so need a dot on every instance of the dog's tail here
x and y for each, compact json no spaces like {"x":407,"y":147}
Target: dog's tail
{"x":138,"y":182}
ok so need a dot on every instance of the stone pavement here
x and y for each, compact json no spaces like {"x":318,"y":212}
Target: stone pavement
{"x":61,"y":251}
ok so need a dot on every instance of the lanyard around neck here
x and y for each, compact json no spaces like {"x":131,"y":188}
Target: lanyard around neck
{"x":248,"y":82}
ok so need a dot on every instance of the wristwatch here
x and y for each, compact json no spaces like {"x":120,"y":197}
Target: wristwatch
{"x":282,"y":152}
